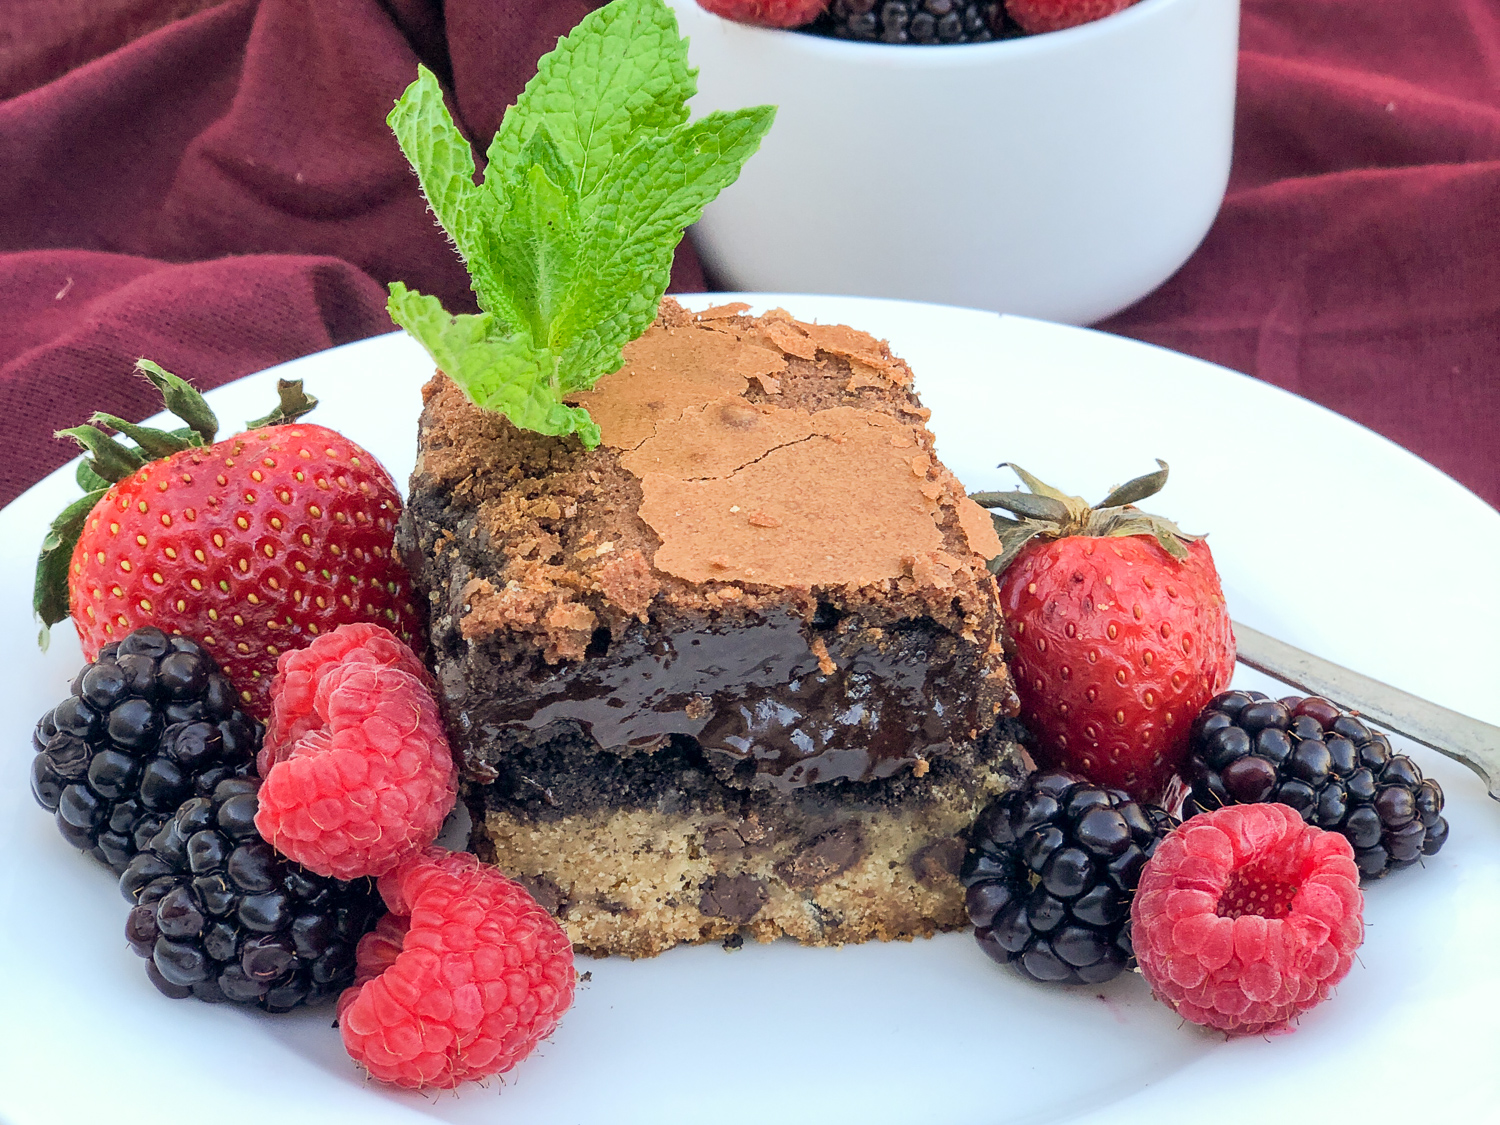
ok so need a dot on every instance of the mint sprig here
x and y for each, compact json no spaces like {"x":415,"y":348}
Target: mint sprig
{"x":591,"y":180}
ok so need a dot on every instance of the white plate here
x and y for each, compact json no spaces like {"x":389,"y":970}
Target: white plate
{"x":1309,"y":515}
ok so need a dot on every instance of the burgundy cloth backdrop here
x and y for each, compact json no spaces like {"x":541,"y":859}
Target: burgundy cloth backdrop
{"x":213,"y":185}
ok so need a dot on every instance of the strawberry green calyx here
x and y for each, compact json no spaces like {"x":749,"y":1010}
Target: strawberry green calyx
{"x":1046,"y":512}
{"x":109,"y":461}
{"x":182,"y":399}
{"x":49,"y":594}
{"x":293,"y":405}
{"x":568,"y":238}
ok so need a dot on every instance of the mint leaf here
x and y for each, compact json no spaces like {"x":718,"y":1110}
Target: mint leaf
{"x":539,"y":234}
{"x":441,"y":156}
{"x":444,"y":164}
{"x":498,"y":372}
{"x":622,"y":73}
{"x":662,"y":187}
{"x":592,"y":177}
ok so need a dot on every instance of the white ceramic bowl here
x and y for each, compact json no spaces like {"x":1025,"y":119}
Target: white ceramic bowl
{"x":1060,"y":176}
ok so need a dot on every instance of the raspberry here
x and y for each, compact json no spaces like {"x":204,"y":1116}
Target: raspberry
{"x":365,"y":776}
{"x":1054,"y":15}
{"x":378,"y":949}
{"x":1246,"y":917}
{"x":766,"y":13}
{"x":462,"y":980}
{"x":300,"y":671}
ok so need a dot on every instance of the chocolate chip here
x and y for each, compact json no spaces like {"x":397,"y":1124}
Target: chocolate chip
{"x":721,"y":839}
{"x":938,"y":862}
{"x":735,"y":898}
{"x":548,"y":894}
{"x":824,"y":857}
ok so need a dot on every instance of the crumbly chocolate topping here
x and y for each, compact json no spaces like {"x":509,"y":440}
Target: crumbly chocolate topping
{"x":796,"y":513}
{"x":669,"y":370}
{"x":746,"y":492}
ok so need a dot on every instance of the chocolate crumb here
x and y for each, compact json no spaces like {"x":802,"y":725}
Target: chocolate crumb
{"x":480,"y":772}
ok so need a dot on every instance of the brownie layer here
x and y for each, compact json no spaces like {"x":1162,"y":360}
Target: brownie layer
{"x":607,"y":589}
{"x":636,"y":854}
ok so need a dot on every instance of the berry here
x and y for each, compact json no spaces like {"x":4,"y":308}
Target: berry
{"x":912,"y":21}
{"x":1055,"y":15}
{"x":300,"y":672}
{"x":148,"y":724}
{"x":1323,"y":762}
{"x":365,"y":777}
{"x":1051,"y":871}
{"x":220,"y":916}
{"x":1116,"y":630}
{"x":766,"y":13}
{"x":1246,"y":917}
{"x":254,"y":545}
{"x":463,"y":980}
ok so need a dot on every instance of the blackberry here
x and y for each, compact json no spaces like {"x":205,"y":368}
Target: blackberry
{"x":911,"y":21}
{"x":1050,"y":874}
{"x":1325,"y":763}
{"x":148,"y":724}
{"x":220,"y":916}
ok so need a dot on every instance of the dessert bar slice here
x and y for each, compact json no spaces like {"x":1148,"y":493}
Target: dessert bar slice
{"x":738,"y":667}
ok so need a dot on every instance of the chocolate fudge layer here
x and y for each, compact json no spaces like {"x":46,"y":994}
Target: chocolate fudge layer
{"x":739,"y":666}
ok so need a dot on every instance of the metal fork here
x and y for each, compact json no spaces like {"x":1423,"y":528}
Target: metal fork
{"x":1475,"y":744}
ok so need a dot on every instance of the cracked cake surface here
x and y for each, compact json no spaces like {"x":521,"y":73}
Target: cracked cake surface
{"x":762,"y":585}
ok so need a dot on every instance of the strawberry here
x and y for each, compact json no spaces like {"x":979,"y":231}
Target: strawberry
{"x":1116,"y":631}
{"x":1054,"y":15}
{"x":767,"y":13}
{"x":252,"y":545}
